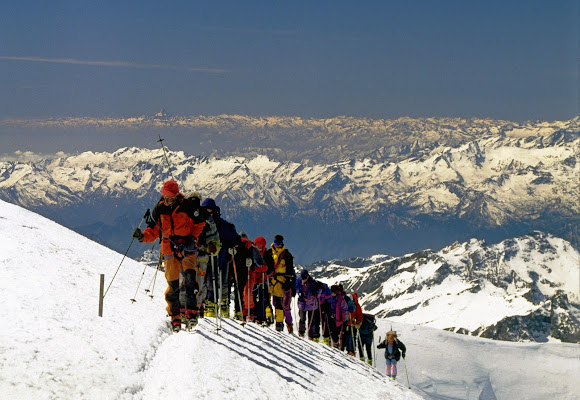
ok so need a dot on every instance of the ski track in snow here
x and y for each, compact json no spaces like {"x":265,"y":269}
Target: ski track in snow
{"x":50,"y":281}
{"x":54,"y":346}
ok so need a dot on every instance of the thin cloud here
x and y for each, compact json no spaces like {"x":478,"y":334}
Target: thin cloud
{"x":249,"y":30}
{"x":124,"y":64}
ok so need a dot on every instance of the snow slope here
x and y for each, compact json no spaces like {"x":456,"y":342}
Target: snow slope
{"x":445,"y":365}
{"x":473,"y":287}
{"x":54,"y":346}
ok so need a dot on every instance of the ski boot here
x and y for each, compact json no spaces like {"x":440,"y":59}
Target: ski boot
{"x":190,"y":319}
{"x":201,"y":311}
{"x":225,"y":309}
{"x":238,"y":316}
{"x":314,"y":339}
{"x":370,"y":362}
{"x":209,"y":309}
{"x":176,"y":323}
{"x":301,"y":335}
{"x":326,"y":341}
{"x":290,"y":328}
{"x":279,"y":326}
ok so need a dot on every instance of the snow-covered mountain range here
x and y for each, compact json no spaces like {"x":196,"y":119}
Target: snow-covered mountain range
{"x":55,"y":346}
{"x":524,"y":288}
{"x":491,"y":186}
{"x":283,"y":138}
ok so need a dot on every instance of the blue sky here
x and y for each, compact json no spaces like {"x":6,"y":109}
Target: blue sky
{"x":514,"y":60}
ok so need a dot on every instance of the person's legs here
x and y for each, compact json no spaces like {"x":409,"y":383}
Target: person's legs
{"x":279,"y":313}
{"x":286,"y":305}
{"x":301,"y":323}
{"x":172,"y":270}
{"x":189,"y":265}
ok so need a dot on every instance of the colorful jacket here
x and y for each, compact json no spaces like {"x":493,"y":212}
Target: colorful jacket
{"x":308,"y":294}
{"x":281,"y":264}
{"x":339,"y":309}
{"x":178,"y":225}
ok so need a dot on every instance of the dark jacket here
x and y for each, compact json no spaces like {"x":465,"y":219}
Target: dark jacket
{"x":229,"y":238}
{"x":398,"y":348}
{"x":367,"y":328}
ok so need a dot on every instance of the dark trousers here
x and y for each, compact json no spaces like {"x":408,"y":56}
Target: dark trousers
{"x":261,"y":301}
{"x":313,"y":319}
{"x":325,"y":320}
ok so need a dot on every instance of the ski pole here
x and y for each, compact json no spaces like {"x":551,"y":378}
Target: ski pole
{"x":165,"y":154}
{"x":155,"y":276}
{"x":138,"y":285}
{"x":133,"y":300}
{"x":237,"y":286}
{"x":352,"y":339}
{"x":214,"y":273}
{"x":408,"y":384}
{"x":375,"y":349}
{"x":249,"y":293}
{"x":146,"y":216}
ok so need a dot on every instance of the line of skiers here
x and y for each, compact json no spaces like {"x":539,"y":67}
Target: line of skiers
{"x":197,"y":242}
{"x":211,"y":258}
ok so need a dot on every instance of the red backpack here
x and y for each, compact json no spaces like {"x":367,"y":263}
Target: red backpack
{"x":356,"y":317}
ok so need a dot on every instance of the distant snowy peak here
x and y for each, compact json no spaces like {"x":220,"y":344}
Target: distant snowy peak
{"x":314,"y":139}
{"x":494,"y":180}
{"x":429,"y":126}
{"x":525,"y":288}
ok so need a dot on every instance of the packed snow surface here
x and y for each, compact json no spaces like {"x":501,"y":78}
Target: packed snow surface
{"x":54,"y":346}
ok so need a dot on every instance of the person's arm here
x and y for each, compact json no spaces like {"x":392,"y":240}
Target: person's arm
{"x":403,"y":349}
{"x":151,"y":233}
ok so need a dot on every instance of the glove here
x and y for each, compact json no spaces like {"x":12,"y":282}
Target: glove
{"x":357,"y":326}
{"x":293,"y":292}
{"x":231,"y":250}
{"x":137,"y":234}
{"x":211,"y":248}
{"x":249,"y":262}
{"x":403,"y":356}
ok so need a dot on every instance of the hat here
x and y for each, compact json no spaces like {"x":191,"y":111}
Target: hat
{"x":304,"y":274}
{"x":278,"y":240}
{"x":334,"y":288}
{"x":170,"y":188}
{"x":260,"y":241}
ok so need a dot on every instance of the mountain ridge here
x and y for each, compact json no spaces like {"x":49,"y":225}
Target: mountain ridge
{"x":494,"y":186}
{"x":287,"y":138}
{"x":529,"y":286}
